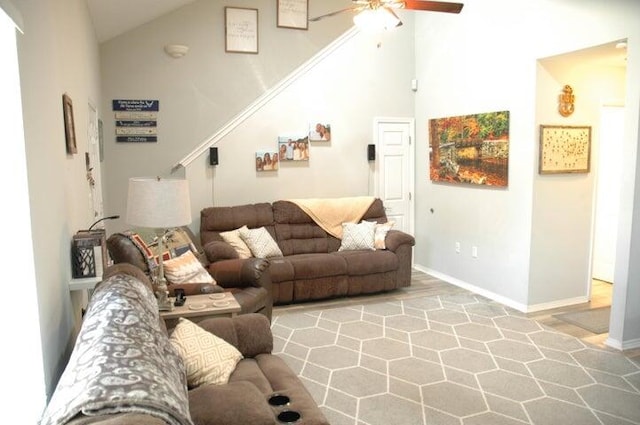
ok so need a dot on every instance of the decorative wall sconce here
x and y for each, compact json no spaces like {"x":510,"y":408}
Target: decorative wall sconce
{"x":176,"y":51}
{"x":566,"y":101}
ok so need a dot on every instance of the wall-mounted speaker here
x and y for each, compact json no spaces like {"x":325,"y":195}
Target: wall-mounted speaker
{"x":371,"y":152}
{"x":213,"y":156}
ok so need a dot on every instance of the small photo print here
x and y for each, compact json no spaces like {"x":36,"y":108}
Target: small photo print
{"x":293,"y":148}
{"x":267,"y":161}
{"x":319,"y":132}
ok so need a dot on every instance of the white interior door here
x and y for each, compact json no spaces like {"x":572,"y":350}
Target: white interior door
{"x":608,"y":192}
{"x":394,"y":165}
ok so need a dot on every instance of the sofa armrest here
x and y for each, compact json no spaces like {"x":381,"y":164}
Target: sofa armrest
{"x":123,"y":250}
{"x":219,"y":250}
{"x":249,"y":333}
{"x":241,"y":273}
{"x":396,"y":238}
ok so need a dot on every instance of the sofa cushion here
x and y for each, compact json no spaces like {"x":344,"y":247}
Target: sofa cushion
{"x":260,"y":242}
{"x":368,"y":262}
{"x":358,"y":236}
{"x":207,"y":358}
{"x":237,"y":402}
{"x":232,"y":237}
{"x":281,"y":270}
{"x":305,"y":238}
{"x":312,"y":266}
{"x":186,"y":269}
{"x":214,"y":220}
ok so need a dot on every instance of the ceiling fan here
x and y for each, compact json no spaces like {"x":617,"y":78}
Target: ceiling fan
{"x":380,"y":13}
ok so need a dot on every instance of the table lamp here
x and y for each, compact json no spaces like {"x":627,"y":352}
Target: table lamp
{"x":159,"y":204}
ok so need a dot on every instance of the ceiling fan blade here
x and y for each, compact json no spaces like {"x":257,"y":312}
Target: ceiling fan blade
{"x":348,"y":9}
{"x":433,"y":6}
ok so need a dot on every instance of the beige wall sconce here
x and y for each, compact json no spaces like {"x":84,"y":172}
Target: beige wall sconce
{"x":176,"y":51}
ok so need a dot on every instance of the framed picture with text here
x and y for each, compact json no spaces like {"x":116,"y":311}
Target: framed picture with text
{"x":293,"y":14}
{"x":241,"y":30}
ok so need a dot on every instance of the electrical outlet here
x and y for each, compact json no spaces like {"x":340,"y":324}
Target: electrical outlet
{"x":458,"y":247}
{"x":474,"y":251}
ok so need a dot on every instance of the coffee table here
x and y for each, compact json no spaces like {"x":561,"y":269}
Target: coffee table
{"x":200,"y":307}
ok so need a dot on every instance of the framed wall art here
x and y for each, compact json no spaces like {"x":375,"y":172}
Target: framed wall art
{"x":69,"y":125}
{"x":470,"y":149}
{"x":267,"y":160}
{"x":293,"y":148}
{"x":564,"y":149}
{"x":241,"y":30}
{"x":319,"y":131}
{"x":293,"y":14}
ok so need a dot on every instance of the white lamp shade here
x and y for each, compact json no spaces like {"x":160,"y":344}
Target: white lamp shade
{"x":158,"y":203}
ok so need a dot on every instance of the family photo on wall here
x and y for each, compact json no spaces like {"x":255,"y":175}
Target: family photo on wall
{"x":293,"y":147}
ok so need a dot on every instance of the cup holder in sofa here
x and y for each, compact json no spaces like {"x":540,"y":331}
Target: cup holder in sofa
{"x":279,"y":400}
{"x":289,"y":416}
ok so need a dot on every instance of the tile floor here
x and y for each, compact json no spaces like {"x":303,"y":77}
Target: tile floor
{"x":400,"y":358}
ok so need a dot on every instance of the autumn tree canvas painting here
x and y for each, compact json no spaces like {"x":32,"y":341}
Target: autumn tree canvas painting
{"x":472,"y":149}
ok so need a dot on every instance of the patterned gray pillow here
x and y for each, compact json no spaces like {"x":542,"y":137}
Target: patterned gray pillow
{"x":260,"y":242}
{"x":358,"y":236}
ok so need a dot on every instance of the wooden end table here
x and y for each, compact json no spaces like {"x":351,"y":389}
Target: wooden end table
{"x":200,"y":307}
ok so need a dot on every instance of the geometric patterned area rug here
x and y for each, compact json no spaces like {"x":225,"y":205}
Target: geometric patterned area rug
{"x":452,"y":360}
{"x":595,"y":320}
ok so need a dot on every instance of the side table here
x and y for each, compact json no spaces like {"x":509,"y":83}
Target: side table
{"x":200,"y":307}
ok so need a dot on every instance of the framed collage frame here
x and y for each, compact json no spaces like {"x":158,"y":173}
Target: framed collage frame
{"x":564,"y":149}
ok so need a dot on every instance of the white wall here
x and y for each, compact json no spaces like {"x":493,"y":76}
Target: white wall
{"x":368,"y":76}
{"x":200,"y":92}
{"x":564,"y":203}
{"x":58,"y":53}
{"x":485,"y":60}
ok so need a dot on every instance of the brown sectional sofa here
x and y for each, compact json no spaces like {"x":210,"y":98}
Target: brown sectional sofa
{"x":311,"y":268}
{"x":244,"y":400}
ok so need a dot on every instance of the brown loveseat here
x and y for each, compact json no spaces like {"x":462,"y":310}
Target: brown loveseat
{"x":311,"y":267}
{"x":106,"y":379}
{"x":246,"y":279}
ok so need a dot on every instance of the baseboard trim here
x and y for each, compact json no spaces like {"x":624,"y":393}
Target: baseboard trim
{"x":557,"y":304}
{"x":622,"y":345}
{"x":500,"y":298}
{"x":473,"y":288}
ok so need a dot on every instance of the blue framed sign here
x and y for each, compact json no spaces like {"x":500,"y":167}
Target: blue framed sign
{"x":136,"y":120}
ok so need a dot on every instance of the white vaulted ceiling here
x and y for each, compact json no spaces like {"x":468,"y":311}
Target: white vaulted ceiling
{"x":114,"y":17}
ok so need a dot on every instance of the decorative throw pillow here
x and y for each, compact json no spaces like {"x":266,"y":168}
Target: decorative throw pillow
{"x":381,"y":233}
{"x":208,"y":359}
{"x":185,"y":269}
{"x":358,"y":236}
{"x":176,"y":243}
{"x":260,"y":242}
{"x":232,"y":237}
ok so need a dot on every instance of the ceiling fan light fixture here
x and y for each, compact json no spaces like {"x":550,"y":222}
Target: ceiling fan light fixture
{"x":376,"y":20}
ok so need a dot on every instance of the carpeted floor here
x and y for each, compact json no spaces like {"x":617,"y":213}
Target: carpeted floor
{"x":452,"y":359}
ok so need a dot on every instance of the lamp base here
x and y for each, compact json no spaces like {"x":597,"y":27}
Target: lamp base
{"x":165,"y":306}
{"x":162,"y":295}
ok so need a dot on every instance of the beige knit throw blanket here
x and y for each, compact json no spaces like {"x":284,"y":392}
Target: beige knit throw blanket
{"x":330,"y":213}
